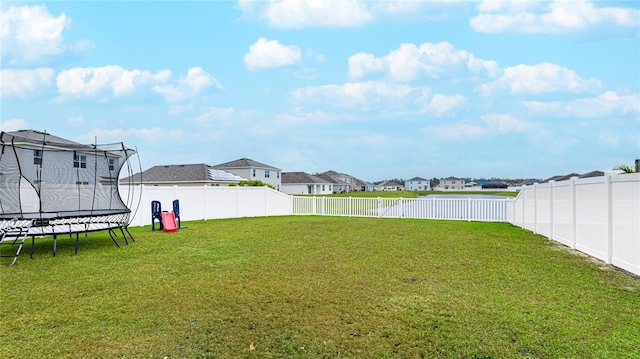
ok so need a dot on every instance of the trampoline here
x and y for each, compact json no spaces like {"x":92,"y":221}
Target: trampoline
{"x":52,"y":186}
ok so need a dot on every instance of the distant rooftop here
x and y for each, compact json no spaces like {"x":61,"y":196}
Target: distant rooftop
{"x":245,"y":163}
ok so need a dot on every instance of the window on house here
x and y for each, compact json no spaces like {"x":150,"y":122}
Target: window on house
{"x":323,"y":188}
{"x":79,"y":161}
{"x":254,"y":173}
{"x":277,"y":174}
{"x":266,"y":174}
{"x":112,"y":164}
{"x":37,"y":157}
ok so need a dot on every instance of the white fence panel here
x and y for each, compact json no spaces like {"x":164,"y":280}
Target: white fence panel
{"x":543,"y":210}
{"x":592,"y":217}
{"x":625,"y":215}
{"x":599,"y":216}
{"x":206,"y":202}
{"x":563,"y":208}
{"x":469,"y":209}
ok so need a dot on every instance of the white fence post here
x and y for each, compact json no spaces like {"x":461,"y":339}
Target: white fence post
{"x":468,"y":209}
{"x":607,"y":191}
{"x":551,"y":222}
{"x":379,"y":207}
{"x":314,"y":207}
{"x":535,"y":208}
{"x":574,"y":227}
{"x":204,"y":202}
{"x":400,"y":208}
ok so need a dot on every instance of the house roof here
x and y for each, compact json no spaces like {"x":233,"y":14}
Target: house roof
{"x":389,"y":184}
{"x":198,"y":172}
{"x":417,"y":179}
{"x":334,"y":173}
{"x":452,"y":179}
{"x":245,"y":163}
{"x":331,"y":179}
{"x":301,"y":177}
{"x":569,"y":176}
{"x":42,"y":138}
{"x":529,"y":182}
{"x":360,"y":182}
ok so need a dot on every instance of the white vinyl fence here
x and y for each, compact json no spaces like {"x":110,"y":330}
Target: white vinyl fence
{"x":599,"y":216}
{"x":206,"y":202}
{"x":466,"y":209}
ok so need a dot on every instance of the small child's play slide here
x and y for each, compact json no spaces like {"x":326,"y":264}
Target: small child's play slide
{"x":169,"y":222}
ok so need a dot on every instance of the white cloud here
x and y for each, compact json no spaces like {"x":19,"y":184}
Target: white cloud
{"x":89,"y":81}
{"x":22,"y":83}
{"x":429,"y":60}
{"x":196,"y":81}
{"x":346,"y":13}
{"x":550,"y":17}
{"x":441,"y":105}
{"x":539,"y":79}
{"x":607,"y":104}
{"x":301,"y":117}
{"x":215,"y":115}
{"x":505,"y":123}
{"x":468,"y":130}
{"x":31,"y":34}
{"x":265,"y":54}
{"x":363,"y":95}
{"x":459,"y":131}
{"x":14,"y":124}
{"x":309,"y":13}
{"x":75,"y":120}
{"x":151,"y":135}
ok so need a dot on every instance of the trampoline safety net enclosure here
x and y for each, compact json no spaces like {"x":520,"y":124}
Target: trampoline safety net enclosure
{"x":51,"y":185}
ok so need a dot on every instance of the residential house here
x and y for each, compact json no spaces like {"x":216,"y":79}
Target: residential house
{"x":417,"y":184}
{"x":452,"y":184}
{"x":198,"y":174}
{"x":304,"y":183}
{"x":571,"y":175}
{"x":364,"y":186}
{"x":339,"y":186}
{"x":495,"y":185}
{"x":388,"y":186}
{"x":253,"y":170}
{"x":342,"y":177}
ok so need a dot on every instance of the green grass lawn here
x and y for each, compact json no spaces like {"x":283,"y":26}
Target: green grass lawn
{"x":318,"y":287}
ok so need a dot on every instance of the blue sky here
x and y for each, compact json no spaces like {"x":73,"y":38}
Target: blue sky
{"x":378,"y":90}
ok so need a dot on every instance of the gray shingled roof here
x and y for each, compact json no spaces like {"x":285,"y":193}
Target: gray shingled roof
{"x":335,"y":173}
{"x":417,"y":179}
{"x":569,"y":176}
{"x":360,"y":182}
{"x":389,"y":184}
{"x":198,"y":172}
{"x":331,"y":179}
{"x":245,"y":163}
{"x":37,"y":137}
{"x":301,"y":177}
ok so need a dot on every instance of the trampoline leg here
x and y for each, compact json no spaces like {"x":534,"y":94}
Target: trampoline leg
{"x":129,"y":233}
{"x":113,"y":238}
{"x":124,"y":236}
{"x":77,"y":239}
{"x":55,"y":241}
{"x":33,"y":241}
